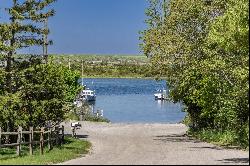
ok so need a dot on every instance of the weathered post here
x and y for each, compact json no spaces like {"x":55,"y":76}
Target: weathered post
{"x":31,"y":135}
{"x":49,"y":139}
{"x":62,"y":134}
{"x":73,"y":131}
{"x":19,"y":139}
{"x":59,"y":136}
{"x":0,"y":136}
{"x":56,"y":134}
{"x":41,"y":140}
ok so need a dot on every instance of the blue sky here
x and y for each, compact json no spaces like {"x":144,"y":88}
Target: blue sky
{"x":94,"y":26}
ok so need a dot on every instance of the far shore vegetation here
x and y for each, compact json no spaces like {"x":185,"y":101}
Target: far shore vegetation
{"x":108,"y":66}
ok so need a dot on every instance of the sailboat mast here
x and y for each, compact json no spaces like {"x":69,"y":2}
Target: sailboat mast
{"x":82,"y":72}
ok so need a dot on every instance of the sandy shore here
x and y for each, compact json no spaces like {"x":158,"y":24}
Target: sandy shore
{"x":150,"y":144}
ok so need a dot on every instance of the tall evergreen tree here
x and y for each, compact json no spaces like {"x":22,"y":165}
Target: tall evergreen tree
{"x":24,"y":29}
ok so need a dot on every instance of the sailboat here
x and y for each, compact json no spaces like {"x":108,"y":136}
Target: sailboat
{"x":87,"y":94}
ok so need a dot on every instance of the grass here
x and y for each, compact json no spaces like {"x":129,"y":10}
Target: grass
{"x":92,"y":118}
{"x":72,"y":148}
{"x":88,"y":117}
{"x":226,"y":139}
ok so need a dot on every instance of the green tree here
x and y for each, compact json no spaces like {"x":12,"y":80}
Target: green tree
{"x":227,"y":47}
{"x":23,"y":30}
{"x":201,"y":47}
{"x":45,"y":94}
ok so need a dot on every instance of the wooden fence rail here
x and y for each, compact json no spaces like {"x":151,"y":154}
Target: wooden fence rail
{"x":53,"y":135}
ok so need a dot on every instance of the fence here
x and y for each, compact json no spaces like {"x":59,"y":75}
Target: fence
{"x":53,"y":135}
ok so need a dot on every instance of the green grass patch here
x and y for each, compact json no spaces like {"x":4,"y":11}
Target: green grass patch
{"x":227,"y":139}
{"x":87,"y":117}
{"x":93,"y":118}
{"x":72,"y":148}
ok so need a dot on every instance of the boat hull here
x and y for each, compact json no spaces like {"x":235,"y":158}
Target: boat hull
{"x":89,"y":98}
{"x":159,"y":96}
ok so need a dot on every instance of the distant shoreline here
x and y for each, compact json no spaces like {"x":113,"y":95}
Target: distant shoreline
{"x":110,"y":77}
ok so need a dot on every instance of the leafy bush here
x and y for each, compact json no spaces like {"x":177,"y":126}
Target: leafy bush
{"x":42,"y":94}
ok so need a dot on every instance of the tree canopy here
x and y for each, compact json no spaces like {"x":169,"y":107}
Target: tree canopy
{"x":201,"y":47}
{"x":31,"y":93}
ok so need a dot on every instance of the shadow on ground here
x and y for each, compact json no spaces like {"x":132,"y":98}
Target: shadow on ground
{"x":77,"y":136}
{"x":235,"y":160}
{"x":183,"y":138}
{"x":175,"y":138}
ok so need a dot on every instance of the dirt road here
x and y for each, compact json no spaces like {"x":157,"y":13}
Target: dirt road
{"x":150,"y":144}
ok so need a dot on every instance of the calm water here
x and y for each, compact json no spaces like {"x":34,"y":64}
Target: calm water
{"x":132,"y":101}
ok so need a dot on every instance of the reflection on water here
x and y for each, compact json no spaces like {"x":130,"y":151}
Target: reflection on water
{"x":132,"y":101}
{"x":160,"y":103}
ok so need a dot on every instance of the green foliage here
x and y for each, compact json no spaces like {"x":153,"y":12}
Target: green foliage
{"x":86,"y":111}
{"x":2,"y":75}
{"x":44,"y":94}
{"x":110,"y":66}
{"x":31,"y":93}
{"x":72,"y":116}
{"x":93,"y":118}
{"x":201,"y":47}
{"x":9,"y":114}
{"x":223,"y":138}
{"x":71,"y":78}
{"x":25,"y":28}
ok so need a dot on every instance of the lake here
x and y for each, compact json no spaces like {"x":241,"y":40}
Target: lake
{"x":132,"y":101}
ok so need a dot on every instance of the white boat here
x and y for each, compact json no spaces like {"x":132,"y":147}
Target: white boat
{"x":88,"y":95}
{"x":158,"y":96}
{"x":161,"y":95}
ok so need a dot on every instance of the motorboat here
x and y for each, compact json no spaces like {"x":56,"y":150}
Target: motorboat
{"x":161,"y":95}
{"x":158,"y":96}
{"x":88,"y":95}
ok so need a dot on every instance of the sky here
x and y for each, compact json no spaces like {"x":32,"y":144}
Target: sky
{"x":93,"y":26}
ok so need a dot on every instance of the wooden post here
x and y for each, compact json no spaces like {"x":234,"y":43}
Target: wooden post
{"x":62,"y":134}
{"x":73,"y":131}
{"x":0,"y":136}
{"x":56,"y":134}
{"x":59,"y":136}
{"x":52,"y":136}
{"x":7,"y":137}
{"x":19,"y":139}
{"x":41,"y":140}
{"x":31,"y":137}
{"x":49,"y":139}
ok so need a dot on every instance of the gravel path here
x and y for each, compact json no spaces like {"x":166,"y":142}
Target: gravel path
{"x":150,"y":144}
